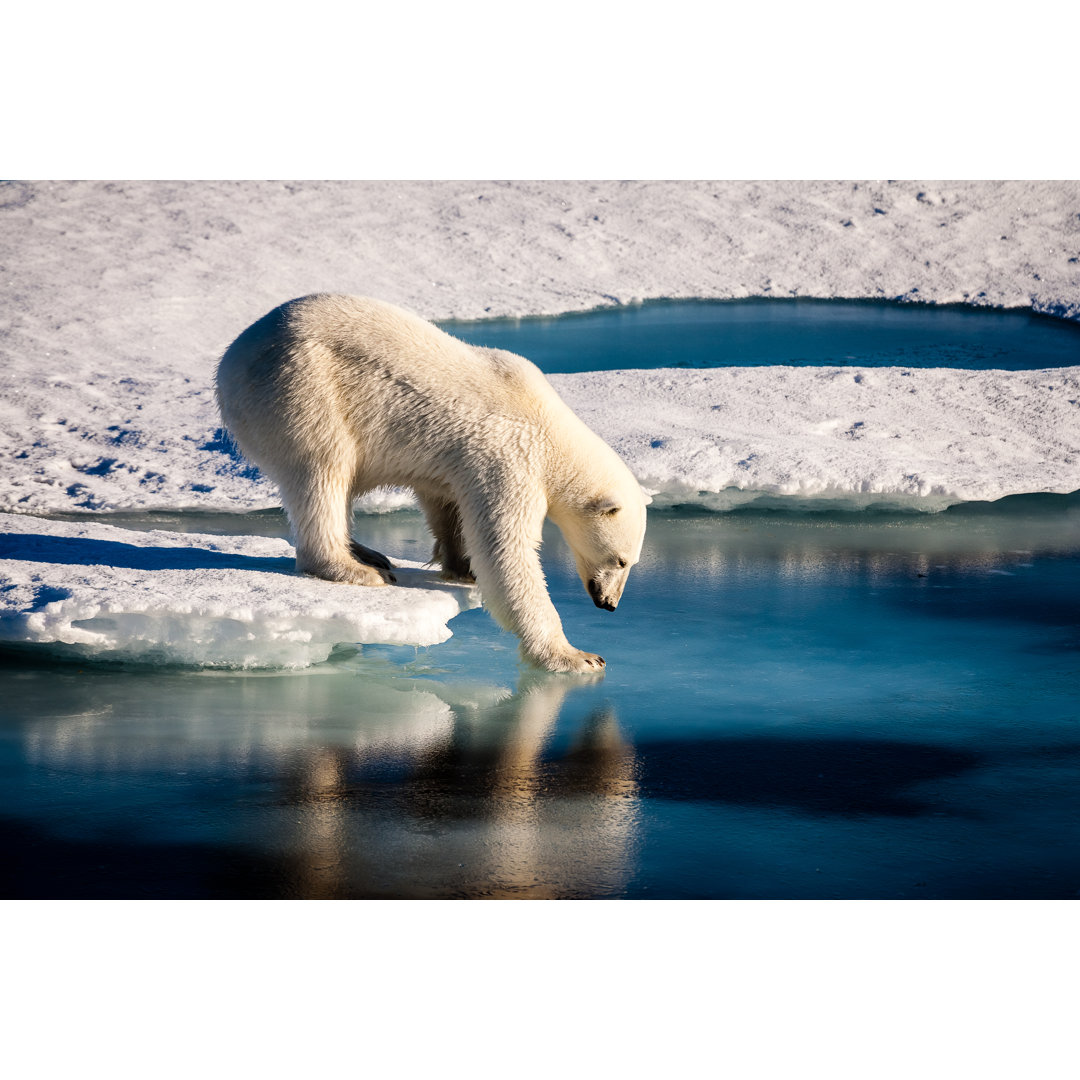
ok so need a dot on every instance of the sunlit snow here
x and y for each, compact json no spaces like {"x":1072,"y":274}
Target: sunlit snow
{"x":90,"y":590}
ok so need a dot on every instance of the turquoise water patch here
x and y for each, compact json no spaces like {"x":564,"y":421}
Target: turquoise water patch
{"x":753,"y":333}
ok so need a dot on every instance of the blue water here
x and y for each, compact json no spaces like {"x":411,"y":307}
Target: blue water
{"x":699,"y":334}
{"x":824,"y":706}
{"x":860,"y":705}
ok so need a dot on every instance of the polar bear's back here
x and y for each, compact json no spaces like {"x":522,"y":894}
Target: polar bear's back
{"x":325,"y":340}
{"x":324,"y":372}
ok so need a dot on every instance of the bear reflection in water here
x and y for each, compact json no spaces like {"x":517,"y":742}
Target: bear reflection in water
{"x":472,"y":816}
{"x":355,"y":786}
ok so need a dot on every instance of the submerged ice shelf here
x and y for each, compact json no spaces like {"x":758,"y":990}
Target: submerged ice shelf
{"x":95,"y":591}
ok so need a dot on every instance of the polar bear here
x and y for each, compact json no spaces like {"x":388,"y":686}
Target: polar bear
{"x":332,"y":396}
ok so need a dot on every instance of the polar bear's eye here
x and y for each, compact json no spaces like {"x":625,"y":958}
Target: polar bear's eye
{"x":614,"y":510}
{"x":622,"y":564}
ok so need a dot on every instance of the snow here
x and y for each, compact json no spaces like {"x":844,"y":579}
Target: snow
{"x":918,"y":438}
{"x":939,"y":436}
{"x":94,"y":591}
{"x":118,"y":299}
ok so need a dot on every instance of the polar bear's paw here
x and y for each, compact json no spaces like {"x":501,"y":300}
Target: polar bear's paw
{"x":369,"y":556}
{"x":359,"y":574}
{"x":573,"y":660}
{"x":459,"y":577}
{"x":587,"y":662}
{"x":352,"y":573}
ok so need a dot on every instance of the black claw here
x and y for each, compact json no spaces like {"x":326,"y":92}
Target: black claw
{"x":369,"y":557}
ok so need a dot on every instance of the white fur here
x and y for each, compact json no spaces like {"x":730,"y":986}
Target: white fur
{"x":334,"y":395}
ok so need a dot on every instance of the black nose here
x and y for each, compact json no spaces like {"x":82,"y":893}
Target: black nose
{"x":597,"y":599}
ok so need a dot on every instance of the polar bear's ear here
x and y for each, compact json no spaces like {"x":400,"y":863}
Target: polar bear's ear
{"x":604,"y":505}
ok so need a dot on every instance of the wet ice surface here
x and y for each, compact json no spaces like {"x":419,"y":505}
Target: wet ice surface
{"x":855,"y":706}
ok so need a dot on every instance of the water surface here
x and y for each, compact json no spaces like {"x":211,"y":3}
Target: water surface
{"x":849,"y":705}
{"x":750,"y":333}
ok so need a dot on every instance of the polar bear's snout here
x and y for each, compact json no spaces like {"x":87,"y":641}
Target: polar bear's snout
{"x":598,"y":597}
{"x":606,"y":590}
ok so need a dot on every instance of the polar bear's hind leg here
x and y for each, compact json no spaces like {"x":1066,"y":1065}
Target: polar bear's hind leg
{"x":444,"y":521}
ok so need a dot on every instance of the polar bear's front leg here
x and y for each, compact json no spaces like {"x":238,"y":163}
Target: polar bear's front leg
{"x":503,"y":551}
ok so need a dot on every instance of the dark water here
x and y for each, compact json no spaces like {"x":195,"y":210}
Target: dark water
{"x":699,"y":334}
{"x":821,"y":706}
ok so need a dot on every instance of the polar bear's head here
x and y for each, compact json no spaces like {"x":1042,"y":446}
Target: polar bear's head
{"x":605,"y":533}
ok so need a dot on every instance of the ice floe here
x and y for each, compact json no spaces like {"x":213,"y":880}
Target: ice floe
{"x":94,"y":591}
{"x":928,"y":437}
{"x":922,"y":438}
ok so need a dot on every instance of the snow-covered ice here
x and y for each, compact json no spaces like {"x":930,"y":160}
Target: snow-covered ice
{"x":118,"y":300}
{"x":932,"y":436}
{"x":922,"y":438}
{"x":95,"y":591}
